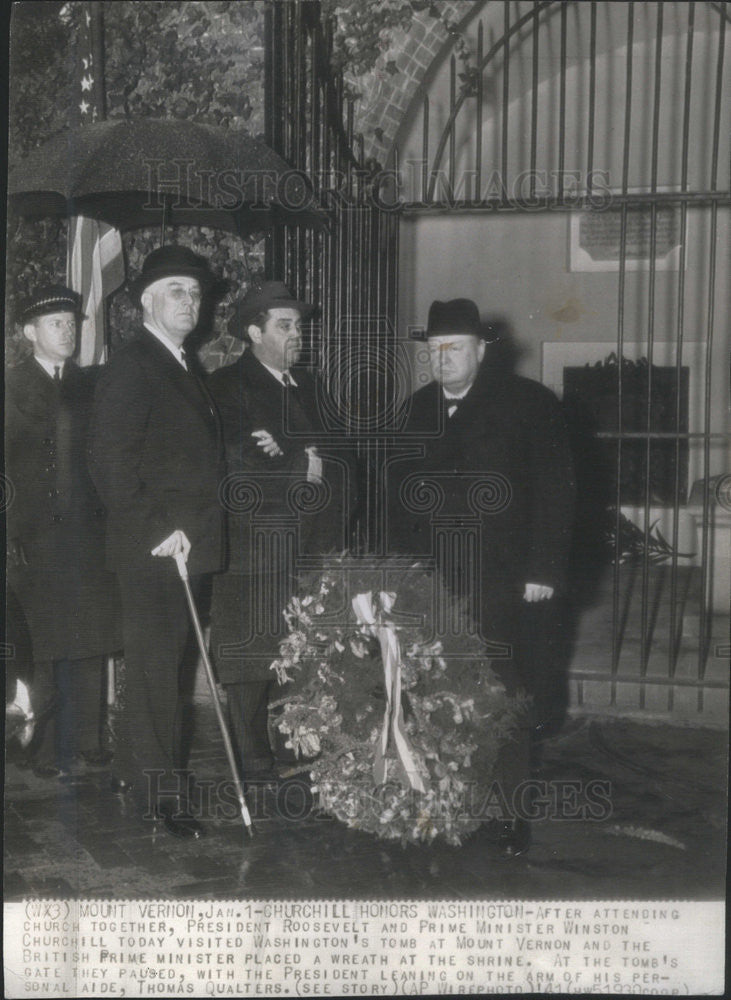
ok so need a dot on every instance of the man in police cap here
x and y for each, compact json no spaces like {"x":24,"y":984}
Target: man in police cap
{"x":157,"y":460}
{"x":55,"y":532}
{"x":280,"y":459}
{"x":495,"y":445}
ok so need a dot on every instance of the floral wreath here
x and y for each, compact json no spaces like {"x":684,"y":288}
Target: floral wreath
{"x":400,"y":727}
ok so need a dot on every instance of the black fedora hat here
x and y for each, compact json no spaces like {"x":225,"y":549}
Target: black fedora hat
{"x":50,"y":299}
{"x":269,"y":295}
{"x":172,"y":262}
{"x":455,"y":317}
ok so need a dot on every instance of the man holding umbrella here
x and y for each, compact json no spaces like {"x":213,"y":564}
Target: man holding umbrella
{"x":156,"y":457}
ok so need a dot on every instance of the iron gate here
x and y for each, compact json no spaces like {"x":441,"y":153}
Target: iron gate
{"x":348,"y":270}
{"x":616,"y":114}
{"x":529,"y":129}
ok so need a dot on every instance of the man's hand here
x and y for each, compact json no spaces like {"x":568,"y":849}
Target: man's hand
{"x":173,"y":545}
{"x":537,"y":592}
{"x":267,"y":442}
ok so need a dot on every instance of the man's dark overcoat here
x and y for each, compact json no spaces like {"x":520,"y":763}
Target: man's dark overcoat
{"x":56,"y":522}
{"x":156,"y":456}
{"x":157,"y":460}
{"x":270,"y":495}
{"x":507,"y":434}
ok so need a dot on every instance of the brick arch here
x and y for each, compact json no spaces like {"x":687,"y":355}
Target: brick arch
{"x":391,"y":95}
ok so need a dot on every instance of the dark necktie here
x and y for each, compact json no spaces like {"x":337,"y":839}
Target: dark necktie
{"x":287,"y":381}
{"x":57,"y":373}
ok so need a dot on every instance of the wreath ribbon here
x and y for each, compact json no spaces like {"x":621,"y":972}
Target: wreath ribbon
{"x":393,"y":720}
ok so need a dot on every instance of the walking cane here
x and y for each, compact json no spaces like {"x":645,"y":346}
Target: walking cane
{"x":183,"y":571}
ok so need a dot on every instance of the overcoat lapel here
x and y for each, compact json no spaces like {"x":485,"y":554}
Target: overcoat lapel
{"x":188,"y":384}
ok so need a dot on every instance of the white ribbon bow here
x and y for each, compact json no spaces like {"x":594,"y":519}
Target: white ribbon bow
{"x":393,"y":719}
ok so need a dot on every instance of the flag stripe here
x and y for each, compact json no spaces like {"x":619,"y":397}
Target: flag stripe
{"x":96,"y":269}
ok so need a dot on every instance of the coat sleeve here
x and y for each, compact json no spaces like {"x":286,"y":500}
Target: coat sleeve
{"x":122,"y":408}
{"x":552,"y":493}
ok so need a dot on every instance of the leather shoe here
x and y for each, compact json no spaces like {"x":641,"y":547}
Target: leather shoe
{"x":120,"y":787}
{"x":178,"y":821}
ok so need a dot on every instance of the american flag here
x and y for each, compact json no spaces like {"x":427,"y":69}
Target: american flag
{"x":95,"y":257}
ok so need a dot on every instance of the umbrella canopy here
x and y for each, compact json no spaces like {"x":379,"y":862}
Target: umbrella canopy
{"x":133,"y":173}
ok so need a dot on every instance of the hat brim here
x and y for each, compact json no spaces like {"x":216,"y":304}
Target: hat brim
{"x":138,"y":285}
{"x":243,"y":317}
{"x":78,"y":312}
{"x":420,"y":336}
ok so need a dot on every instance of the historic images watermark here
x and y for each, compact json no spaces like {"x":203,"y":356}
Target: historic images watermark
{"x":181,"y":183}
{"x":295,"y":800}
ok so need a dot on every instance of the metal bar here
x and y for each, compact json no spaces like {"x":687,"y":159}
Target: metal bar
{"x":662,"y":435}
{"x":551,"y":204}
{"x":452,"y":135}
{"x":688,"y":682}
{"x":645,"y":639}
{"x":674,"y":638}
{"x":719,"y":92}
{"x":562,"y":105}
{"x":705,"y":618}
{"x":425,"y":150}
{"x":616,"y":638}
{"x":506,"y":94}
{"x":534,"y":102}
{"x":296,"y":119}
{"x":628,"y":96}
{"x":503,"y":44}
{"x":592,"y":100}
{"x":315,"y":137}
{"x":478,"y":121}
{"x":656,"y":99}
{"x":616,"y":644}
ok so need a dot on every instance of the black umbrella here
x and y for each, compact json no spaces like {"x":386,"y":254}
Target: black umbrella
{"x":133,"y":173}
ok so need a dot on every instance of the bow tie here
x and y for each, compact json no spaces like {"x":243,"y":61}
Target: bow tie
{"x":453,"y":403}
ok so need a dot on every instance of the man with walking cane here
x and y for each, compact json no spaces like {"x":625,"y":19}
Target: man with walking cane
{"x":157,"y":460}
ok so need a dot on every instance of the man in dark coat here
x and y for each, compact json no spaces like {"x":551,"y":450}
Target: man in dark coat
{"x":157,"y":459}
{"x":283,"y":489}
{"x":55,"y":531}
{"x":495,"y":469}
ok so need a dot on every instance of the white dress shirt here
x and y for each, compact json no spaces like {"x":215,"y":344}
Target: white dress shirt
{"x":177,"y":352}
{"x":452,"y":407}
{"x":279,"y":376}
{"x":50,"y":367}
{"x":314,"y":462}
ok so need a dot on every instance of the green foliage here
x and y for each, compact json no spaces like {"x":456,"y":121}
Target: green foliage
{"x":42,"y":66}
{"x":366,"y":39}
{"x":456,"y":713}
{"x":200,"y":61}
{"x":363,"y":32}
{"x":197,"y":60}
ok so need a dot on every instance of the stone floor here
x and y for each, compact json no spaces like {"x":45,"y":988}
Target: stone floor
{"x":665,"y":837}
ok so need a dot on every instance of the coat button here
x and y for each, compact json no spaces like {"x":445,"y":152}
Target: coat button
{"x":48,"y":441}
